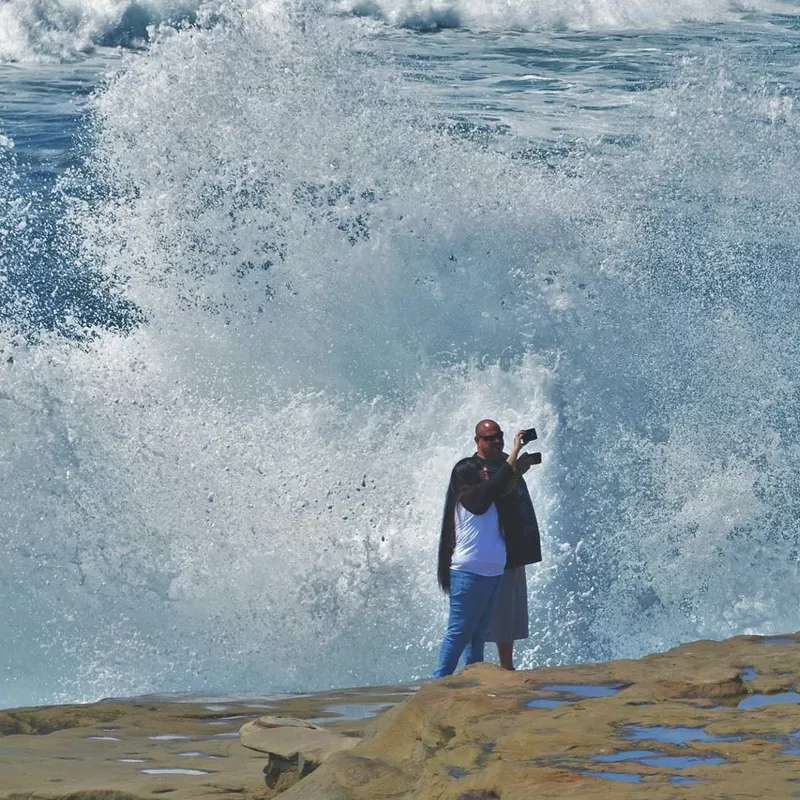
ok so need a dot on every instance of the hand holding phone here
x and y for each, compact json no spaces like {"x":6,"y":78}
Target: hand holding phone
{"x":528,"y":436}
{"x":526,"y":461}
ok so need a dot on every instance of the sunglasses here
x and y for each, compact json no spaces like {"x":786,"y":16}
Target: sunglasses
{"x":495,"y":437}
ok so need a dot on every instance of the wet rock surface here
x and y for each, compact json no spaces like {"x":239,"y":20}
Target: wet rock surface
{"x":705,"y":720}
{"x":670,"y":725}
{"x":186,"y":749}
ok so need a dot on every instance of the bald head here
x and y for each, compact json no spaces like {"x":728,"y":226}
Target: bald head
{"x":487,"y":427}
{"x":489,"y":440}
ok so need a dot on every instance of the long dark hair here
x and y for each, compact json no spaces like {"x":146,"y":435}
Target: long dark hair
{"x":466,"y":475}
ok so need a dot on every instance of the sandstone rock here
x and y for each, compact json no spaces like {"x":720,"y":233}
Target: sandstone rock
{"x":148,"y":750}
{"x":476,"y":736}
{"x":294,"y":747}
{"x":47,"y":719}
{"x":486,"y":734}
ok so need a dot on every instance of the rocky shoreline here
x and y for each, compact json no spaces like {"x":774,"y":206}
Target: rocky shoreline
{"x":705,"y":720}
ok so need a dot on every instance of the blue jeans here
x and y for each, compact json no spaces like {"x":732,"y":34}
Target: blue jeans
{"x":472,"y":601}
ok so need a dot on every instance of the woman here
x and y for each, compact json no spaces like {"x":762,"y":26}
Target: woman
{"x":472,"y":556}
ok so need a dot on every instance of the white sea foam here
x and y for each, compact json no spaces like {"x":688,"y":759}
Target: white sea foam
{"x":53,"y":30}
{"x":548,"y":14}
{"x":311,"y":305}
{"x":47,"y":30}
{"x":243,"y":493}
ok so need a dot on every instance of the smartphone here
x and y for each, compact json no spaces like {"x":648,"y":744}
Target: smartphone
{"x":536,"y":458}
{"x":529,"y":435}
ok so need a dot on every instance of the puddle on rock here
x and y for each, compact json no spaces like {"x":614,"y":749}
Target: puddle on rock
{"x":683,"y":780}
{"x":761,"y":700}
{"x":176,"y":772}
{"x":349,"y":712}
{"x":457,"y":772}
{"x":198,"y":754}
{"x":625,"y":755}
{"x":168,"y":737}
{"x":584,"y":689}
{"x":104,"y":738}
{"x":673,"y":735}
{"x":706,"y":706}
{"x":228,"y":720}
{"x":624,"y":777}
{"x":133,"y":760}
{"x":544,"y":702}
{"x":683,"y":762}
{"x":748,"y":674}
{"x":656,"y":758}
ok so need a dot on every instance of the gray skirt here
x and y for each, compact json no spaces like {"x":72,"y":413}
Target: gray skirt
{"x":510,"y":620}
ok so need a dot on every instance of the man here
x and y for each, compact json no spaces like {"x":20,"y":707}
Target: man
{"x":523,"y":546}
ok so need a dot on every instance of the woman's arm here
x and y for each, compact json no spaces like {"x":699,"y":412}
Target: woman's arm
{"x":478,"y":499}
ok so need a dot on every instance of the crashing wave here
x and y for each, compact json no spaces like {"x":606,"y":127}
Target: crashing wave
{"x":59,"y":30}
{"x":551,"y":14}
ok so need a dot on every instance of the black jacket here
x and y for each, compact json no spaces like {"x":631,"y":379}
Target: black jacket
{"x":477,"y":501}
{"x":517,"y":519}
{"x":481,"y":497}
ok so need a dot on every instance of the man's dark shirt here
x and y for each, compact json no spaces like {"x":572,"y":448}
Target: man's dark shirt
{"x":518,"y":520}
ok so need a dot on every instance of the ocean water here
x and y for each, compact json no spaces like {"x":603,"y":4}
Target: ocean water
{"x":264,"y":264}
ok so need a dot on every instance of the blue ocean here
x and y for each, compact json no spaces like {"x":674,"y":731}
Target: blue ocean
{"x":265,"y":263}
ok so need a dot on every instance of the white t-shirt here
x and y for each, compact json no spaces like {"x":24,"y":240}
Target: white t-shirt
{"x":480,"y":547}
